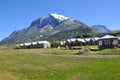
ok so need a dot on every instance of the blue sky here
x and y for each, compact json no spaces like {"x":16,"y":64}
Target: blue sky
{"x":18,"y":14}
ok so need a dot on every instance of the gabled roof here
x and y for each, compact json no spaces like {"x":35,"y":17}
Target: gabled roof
{"x":71,"y":40}
{"x":27,"y":44}
{"x":41,"y":42}
{"x":34,"y":43}
{"x":108,"y":37}
{"x":96,"y":38}
{"x":74,"y":39}
{"x":79,"y":39}
{"x":21,"y":44}
{"x":88,"y":39}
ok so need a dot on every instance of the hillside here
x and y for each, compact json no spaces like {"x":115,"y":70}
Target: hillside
{"x":101,"y":28}
{"x":73,"y":33}
{"x":115,"y":32}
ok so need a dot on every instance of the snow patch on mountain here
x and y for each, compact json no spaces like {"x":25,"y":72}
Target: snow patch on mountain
{"x":60,"y":17}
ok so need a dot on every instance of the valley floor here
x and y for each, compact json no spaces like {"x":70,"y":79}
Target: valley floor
{"x":47,"y":64}
{"x":82,"y":56}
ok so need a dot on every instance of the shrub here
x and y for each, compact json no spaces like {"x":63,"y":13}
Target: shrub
{"x":55,"y":44}
{"x":17,"y":47}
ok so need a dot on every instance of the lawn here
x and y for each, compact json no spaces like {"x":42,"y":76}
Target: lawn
{"x":94,"y":50}
{"x":25,"y":64}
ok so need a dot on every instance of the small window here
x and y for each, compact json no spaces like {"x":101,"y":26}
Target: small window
{"x":115,"y":42}
{"x":100,"y":42}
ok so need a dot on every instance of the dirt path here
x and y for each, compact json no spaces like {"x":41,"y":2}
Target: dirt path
{"x":83,"y":56}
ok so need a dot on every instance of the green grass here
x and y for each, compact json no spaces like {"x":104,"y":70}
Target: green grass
{"x":94,"y":50}
{"x":23,"y":64}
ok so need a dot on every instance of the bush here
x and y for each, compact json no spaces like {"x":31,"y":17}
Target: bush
{"x":55,"y":44}
{"x":17,"y":47}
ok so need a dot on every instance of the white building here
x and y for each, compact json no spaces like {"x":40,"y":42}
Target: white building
{"x":38,"y":44}
{"x":108,"y":41}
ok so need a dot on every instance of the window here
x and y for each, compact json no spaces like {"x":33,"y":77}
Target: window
{"x":114,"y":41}
{"x":100,"y":42}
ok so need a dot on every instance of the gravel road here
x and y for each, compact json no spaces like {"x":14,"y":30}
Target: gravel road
{"x":82,"y":56}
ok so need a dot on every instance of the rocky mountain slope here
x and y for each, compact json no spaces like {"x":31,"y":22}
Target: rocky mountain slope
{"x":53,"y":27}
{"x":101,"y":28}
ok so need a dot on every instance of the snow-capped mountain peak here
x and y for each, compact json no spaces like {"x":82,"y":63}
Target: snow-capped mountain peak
{"x":60,"y":17}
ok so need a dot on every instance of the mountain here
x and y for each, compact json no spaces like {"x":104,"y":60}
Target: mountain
{"x":101,"y":28}
{"x":53,"y":27}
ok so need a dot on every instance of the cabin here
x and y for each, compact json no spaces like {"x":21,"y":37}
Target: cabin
{"x":96,"y":40}
{"x":80,"y":42}
{"x":73,"y":42}
{"x":43,"y":44}
{"x":89,"y":41}
{"x":38,"y":44}
{"x":24,"y":45}
{"x":108,"y":41}
{"x":27,"y":45}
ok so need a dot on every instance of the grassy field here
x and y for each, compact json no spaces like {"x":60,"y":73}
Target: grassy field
{"x":95,"y":50}
{"x":24,"y":64}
